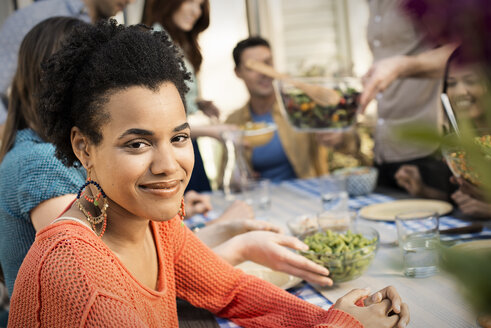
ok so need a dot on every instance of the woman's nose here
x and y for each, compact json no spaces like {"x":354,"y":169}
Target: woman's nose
{"x":164,"y":161}
{"x":461,"y":89}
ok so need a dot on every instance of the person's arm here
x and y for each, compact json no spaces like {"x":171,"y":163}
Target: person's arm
{"x":213,"y":131}
{"x":207,"y":281}
{"x":219,"y":233}
{"x":50,"y":209}
{"x":208,"y":108}
{"x":472,"y":206}
{"x":409,"y":178}
{"x":428,"y":64}
{"x":269,"y":249}
{"x":237,"y":211}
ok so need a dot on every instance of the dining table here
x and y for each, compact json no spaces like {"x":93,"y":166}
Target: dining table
{"x":434,"y":301}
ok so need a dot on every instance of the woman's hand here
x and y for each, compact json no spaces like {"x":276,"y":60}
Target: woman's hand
{"x":468,"y":188}
{"x":270,"y":249}
{"x":380,"y":76}
{"x":380,"y":309}
{"x":196,"y":203}
{"x":472,"y":206}
{"x":215,"y":234}
{"x":409,"y":178}
{"x":238,"y":211}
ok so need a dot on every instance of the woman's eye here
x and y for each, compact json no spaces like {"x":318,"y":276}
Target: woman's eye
{"x":136,"y":145}
{"x":451,"y":84}
{"x":180,"y":138}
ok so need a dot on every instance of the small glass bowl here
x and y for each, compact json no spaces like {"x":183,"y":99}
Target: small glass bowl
{"x":303,"y":224}
{"x":348,"y":265}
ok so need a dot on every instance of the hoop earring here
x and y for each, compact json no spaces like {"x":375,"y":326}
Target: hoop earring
{"x":101,"y":218}
{"x":182,"y":210}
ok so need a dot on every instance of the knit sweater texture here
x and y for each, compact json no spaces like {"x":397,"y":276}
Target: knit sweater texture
{"x":70,"y":278}
{"x":29,"y":175}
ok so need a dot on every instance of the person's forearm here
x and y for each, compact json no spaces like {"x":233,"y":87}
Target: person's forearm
{"x":232,"y":251}
{"x":204,"y":131}
{"x":430,"y":64}
{"x":432,"y":193}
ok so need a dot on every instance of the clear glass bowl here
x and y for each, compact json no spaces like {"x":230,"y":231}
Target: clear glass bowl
{"x":348,"y":264}
{"x":306,"y":115}
{"x":303,"y":224}
{"x":457,"y":159}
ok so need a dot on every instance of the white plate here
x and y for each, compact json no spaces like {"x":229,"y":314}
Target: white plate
{"x":388,"y":211}
{"x":473,"y":246}
{"x":280,"y":279}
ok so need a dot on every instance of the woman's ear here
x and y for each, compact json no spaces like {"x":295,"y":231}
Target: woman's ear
{"x":80,"y":146}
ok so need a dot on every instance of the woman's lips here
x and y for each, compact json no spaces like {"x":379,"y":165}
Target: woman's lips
{"x":165,"y":189}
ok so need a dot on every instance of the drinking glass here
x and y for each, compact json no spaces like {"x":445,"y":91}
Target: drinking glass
{"x":418,"y":239}
{"x":257,"y":193}
{"x":334,"y":197}
{"x":333,"y":192}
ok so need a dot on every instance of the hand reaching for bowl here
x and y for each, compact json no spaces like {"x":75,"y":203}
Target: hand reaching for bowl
{"x":270,"y":249}
{"x":382,"y":309}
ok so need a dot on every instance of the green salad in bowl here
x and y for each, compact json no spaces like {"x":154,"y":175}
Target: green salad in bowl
{"x":305,"y":114}
{"x":347,"y":254}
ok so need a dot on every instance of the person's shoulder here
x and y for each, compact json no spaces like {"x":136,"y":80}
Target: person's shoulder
{"x":33,"y":153}
{"x":60,"y":243}
{"x":70,"y":246}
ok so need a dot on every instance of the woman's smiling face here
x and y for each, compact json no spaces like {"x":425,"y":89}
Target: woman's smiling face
{"x":465,"y":90}
{"x":145,"y":158}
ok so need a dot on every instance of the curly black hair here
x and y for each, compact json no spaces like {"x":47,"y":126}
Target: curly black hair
{"x":95,"y":62}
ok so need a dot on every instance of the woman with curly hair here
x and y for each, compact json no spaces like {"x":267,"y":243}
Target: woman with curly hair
{"x":112,"y":101}
{"x":35,"y":193}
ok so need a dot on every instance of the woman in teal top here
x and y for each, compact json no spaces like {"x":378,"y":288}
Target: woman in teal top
{"x":34,"y":184}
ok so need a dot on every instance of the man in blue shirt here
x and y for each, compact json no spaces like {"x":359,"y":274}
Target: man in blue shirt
{"x":19,"y":23}
{"x":289,"y":154}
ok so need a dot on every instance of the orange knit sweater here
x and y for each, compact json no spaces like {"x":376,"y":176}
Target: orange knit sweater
{"x":70,"y":278}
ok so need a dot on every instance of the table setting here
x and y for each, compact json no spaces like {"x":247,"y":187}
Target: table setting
{"x":433,"y":297}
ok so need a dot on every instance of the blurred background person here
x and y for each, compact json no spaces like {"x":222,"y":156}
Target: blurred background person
{"x":466,"y":88}
{"x":289,"y":154}
{"x":406,"y":79}
{"x":23,"y":20}
{"x":185,"y":20}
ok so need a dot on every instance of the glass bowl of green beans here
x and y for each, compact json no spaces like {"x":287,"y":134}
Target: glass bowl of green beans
{"x":346,"y":254}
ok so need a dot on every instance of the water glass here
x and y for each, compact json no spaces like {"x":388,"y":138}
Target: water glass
{"x":257,"y":194}
{"x":333,"y":192}
{"x":419,"y":239}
